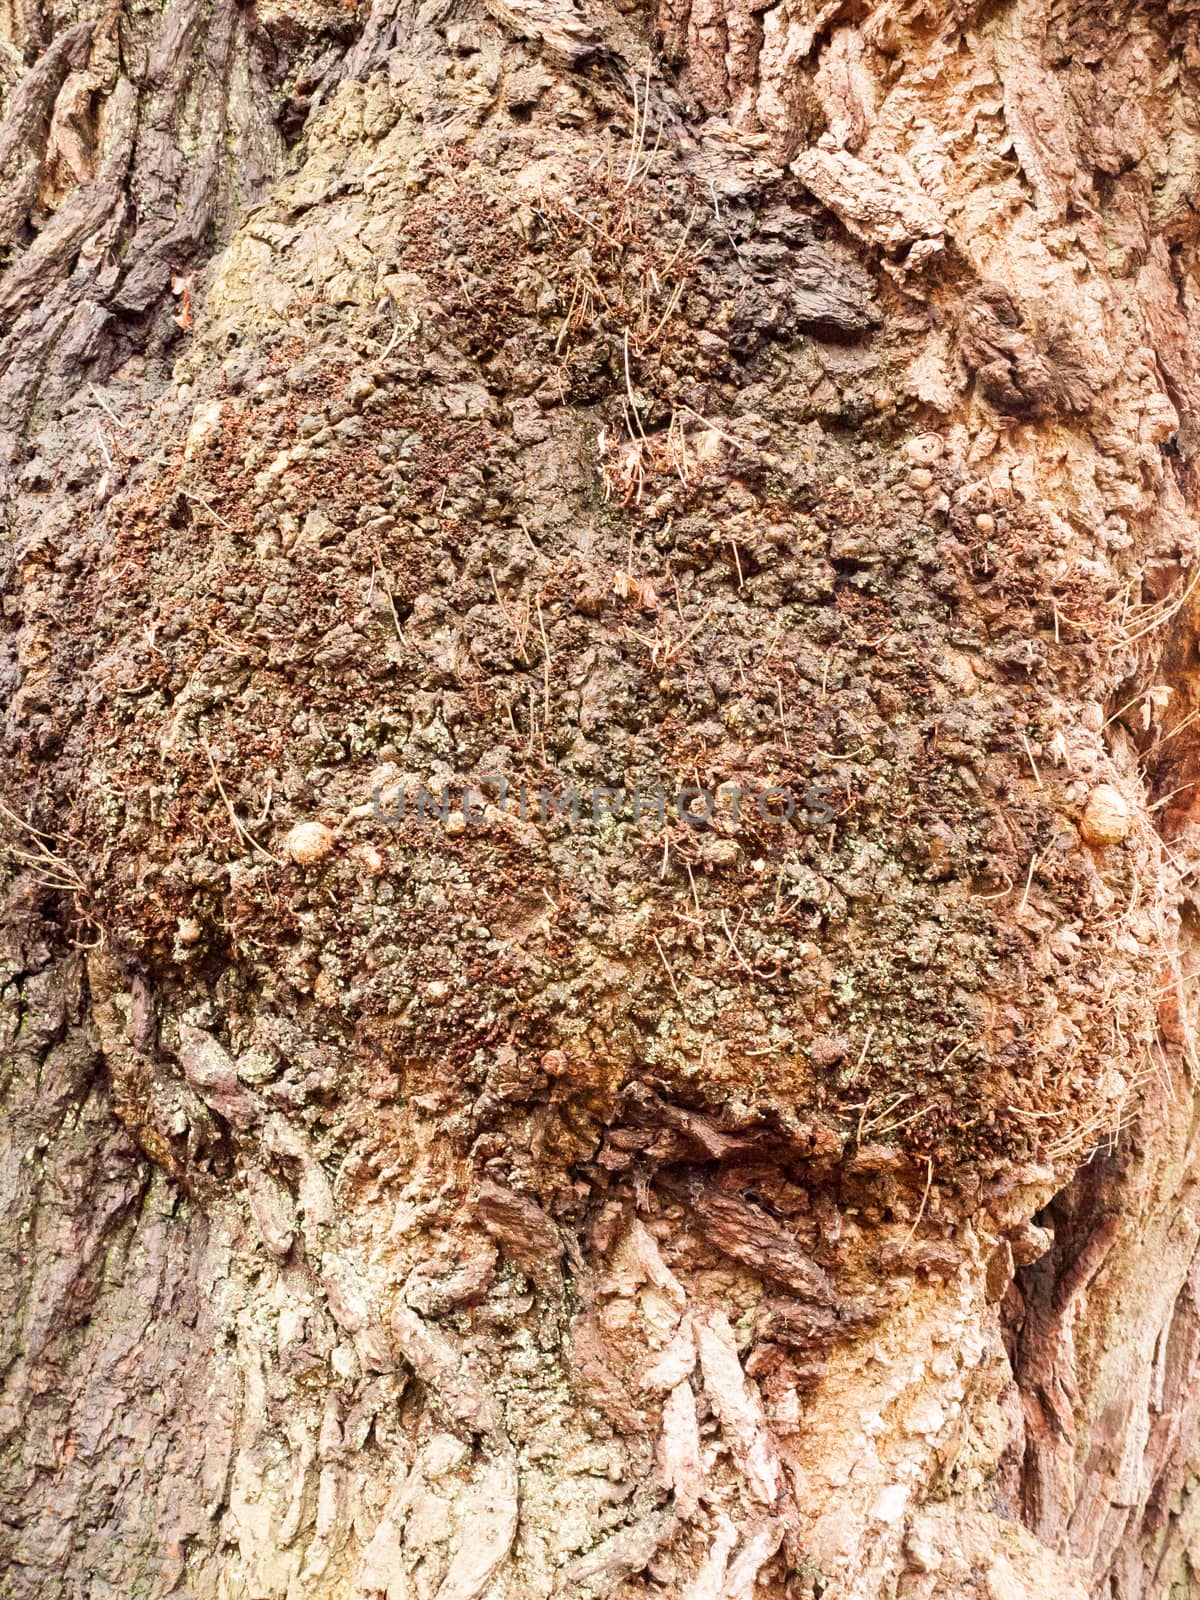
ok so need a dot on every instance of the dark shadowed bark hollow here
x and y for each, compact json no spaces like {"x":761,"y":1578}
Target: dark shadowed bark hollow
{"x":794,"y":1198}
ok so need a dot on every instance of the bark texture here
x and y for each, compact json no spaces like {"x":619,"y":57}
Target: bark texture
{"x":514,"y":1202}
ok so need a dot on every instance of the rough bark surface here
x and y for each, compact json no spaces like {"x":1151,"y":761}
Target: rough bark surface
{"x":513,"y":1203}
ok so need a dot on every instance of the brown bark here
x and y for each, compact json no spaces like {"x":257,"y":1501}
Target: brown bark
{"x":516,"y":1202}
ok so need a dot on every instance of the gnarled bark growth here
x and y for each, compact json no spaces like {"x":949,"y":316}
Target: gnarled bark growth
{"x":519,"y":1200}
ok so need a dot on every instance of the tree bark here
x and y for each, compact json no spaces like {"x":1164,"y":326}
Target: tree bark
{"x":750,"y":1150}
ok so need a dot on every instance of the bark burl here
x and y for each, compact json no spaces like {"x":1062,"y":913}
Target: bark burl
{"x":596,"y":801}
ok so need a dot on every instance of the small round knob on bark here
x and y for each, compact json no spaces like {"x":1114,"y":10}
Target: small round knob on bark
{"x":308,"y":843}
{"x":1107,"y":817}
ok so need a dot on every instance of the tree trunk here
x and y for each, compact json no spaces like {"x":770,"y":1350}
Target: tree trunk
{"x":602,"y":703}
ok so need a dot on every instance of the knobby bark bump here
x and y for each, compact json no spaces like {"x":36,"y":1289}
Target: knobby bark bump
{"x":597,"y":786}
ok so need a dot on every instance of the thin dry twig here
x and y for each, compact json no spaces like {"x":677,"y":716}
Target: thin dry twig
{"x":240,"y":829}
{"x":662,"y":955}
{"x":1037,"y":777}
{"x":924,"y":1202}
{"x":39,"y":858}
{"x":391,"y":600}
{"x":198,"y":499}
{"x":545,"y":664}
{"x":737,"y":954}
{"x":518,"y":634}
